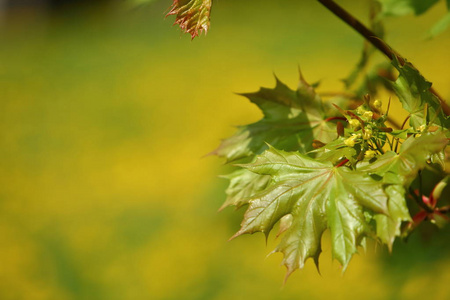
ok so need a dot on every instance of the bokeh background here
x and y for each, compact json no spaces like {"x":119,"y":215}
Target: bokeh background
{"x":106,"y":114}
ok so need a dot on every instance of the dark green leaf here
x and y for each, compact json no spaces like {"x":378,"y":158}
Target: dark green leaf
{"x":413,"y":90}
{"x":292,"y":120}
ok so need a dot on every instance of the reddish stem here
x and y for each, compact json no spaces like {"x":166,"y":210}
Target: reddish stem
{"x":342,"y":163}
{"x":335,"y":118}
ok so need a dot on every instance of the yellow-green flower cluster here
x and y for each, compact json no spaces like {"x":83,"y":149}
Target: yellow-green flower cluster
{"x":364,"y":130}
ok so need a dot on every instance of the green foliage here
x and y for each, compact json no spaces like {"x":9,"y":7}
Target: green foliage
{"x":404,"y":7}
{"x":314,"y":195}
{"x":413,"y":91}
{"x":417,"y":7}
{"x":349,"y":186}
{"x":311,"y":166}
{"x":292,"y":120}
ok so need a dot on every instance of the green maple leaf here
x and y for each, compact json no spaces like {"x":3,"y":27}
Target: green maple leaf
{"x":292,"y":120}
{"x":192,"y":15}
{"x":413,"y":91}
{"x":308,"y":196}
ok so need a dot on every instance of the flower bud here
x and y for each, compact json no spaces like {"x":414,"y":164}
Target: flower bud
{"x":368,"y":115}
{"x":367,"y":134}
{"x":377,"y":104}
{"x":351,"y":141}
{"x":360,"y":110}
{"x":370,"y":154}
{"x":354,"y":123}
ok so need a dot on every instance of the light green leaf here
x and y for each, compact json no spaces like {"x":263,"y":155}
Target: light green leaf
{"x":388,"y":226}
{"x":412,"y":157}
{"x":192,"y":15}
{"x":440,"y":26}
{"x":319,"y":196}
{"x":401,"y":133}
{"x":243,"y":185}
{"x":336,"y":151}
{"x":292,"y":120}
{"x":404,"y":7}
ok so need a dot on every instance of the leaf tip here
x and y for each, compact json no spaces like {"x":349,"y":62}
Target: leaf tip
{"x":240,"y":232}
{"x":316,"y":262}
{"x":222,"y":207}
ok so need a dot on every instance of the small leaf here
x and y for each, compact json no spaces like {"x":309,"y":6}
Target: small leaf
{"x":439,"y":219}
{"x":404,"y":7}
{"x":192,"y":15}
{"x":401,"y":133}
{"x":440,"y":26}
{"x":437,"y":191}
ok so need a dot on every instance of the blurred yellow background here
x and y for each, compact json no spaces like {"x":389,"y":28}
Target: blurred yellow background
{"x":105,"y":116}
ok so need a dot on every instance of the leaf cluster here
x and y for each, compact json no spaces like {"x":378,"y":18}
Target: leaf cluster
{"x":310,"y":167}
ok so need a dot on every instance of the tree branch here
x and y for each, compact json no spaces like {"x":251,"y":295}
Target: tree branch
{"x":377,"y":42}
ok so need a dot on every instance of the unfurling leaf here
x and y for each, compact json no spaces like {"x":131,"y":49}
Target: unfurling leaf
{"x":192,"y":15}
{"x":309,"y":196}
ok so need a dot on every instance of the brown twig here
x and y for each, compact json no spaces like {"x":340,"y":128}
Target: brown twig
{"x":377,"y":42}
